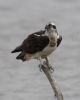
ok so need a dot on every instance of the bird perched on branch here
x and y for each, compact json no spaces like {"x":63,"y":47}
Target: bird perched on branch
{"x":39,"y":45}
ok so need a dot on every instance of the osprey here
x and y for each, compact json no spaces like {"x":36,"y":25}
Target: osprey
{"x":39,"y":45}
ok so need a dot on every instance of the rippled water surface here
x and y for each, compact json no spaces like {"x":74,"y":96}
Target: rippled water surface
{"x":24,"y":81}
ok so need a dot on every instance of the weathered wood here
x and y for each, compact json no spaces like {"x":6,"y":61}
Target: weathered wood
{"x":55,"y":87}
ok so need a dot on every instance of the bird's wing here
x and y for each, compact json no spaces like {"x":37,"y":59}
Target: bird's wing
{"x":17,"y":49}
{"x":59,"y":40}
{"x":34,"y":43}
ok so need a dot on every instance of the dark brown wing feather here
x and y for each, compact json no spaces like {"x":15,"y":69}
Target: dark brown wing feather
{"x":34,"y":43}
{"x":59,"y":40}
{"x":17,"y":49}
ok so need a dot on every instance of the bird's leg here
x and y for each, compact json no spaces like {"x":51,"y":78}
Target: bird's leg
{"x":47,"y":62}
{"x":41,"y":64}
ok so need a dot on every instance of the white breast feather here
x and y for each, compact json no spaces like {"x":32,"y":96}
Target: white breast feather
{"x":48,"y":50}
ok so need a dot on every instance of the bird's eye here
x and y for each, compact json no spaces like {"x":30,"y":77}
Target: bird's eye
{"x":54,"y":26}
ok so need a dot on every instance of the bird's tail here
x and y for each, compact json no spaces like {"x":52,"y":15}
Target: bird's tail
{"x":21,"y":56}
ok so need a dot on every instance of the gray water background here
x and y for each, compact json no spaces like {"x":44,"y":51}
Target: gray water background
{"x":24,"y":81}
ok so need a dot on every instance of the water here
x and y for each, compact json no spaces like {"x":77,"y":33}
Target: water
{"x":23,"y":81}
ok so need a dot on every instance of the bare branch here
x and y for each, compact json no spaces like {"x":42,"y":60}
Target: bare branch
{"x":52,"y":81}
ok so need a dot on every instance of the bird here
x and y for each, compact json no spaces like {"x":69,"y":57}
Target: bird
{"x":39,"y":45}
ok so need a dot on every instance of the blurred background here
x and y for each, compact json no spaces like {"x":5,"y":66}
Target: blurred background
{"x":23,"y":81}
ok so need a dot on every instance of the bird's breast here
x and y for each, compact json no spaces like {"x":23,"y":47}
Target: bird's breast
{"x":47,"y":51}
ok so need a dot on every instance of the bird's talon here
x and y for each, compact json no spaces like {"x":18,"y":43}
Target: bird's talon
{"x":40,"y":67}
{"x":51,"y":68}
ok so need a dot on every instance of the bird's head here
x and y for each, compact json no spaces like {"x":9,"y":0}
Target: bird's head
{"x":51,"y":27}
